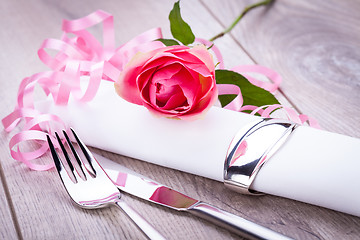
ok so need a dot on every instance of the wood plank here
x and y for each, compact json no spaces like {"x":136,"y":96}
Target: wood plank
{"x":314,"y":45}
{"x":7,"y":226}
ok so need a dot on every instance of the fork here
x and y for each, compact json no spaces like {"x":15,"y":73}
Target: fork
{"x":93,"y":189}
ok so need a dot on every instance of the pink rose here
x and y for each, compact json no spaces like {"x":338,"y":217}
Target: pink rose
{"x":175,"y":81}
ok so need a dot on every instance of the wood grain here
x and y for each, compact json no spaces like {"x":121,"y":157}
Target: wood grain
{"x":7,"y":225}
{"x":315,"y":46}
{"x":42,"y":207}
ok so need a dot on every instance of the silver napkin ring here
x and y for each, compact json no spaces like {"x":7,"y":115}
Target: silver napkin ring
{"x":250,"y":149}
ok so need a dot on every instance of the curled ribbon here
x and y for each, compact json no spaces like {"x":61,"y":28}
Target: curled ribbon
{"x":272,"y":86}
{"x":84,"y":55}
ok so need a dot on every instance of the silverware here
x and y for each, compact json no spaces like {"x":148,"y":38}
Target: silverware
{"x":148,"y":189}
{"x":92,"y":188}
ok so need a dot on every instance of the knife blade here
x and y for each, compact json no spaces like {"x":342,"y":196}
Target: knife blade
{"x":145,"y":188}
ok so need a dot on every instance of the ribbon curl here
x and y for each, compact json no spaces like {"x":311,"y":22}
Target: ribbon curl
{"x":82,"y":55}
{"x":275,"y":79}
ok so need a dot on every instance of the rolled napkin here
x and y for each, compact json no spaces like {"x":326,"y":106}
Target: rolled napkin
{"x":312,"y":166}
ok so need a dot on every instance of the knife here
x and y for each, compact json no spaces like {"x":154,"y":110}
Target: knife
{"x":140,"y":186}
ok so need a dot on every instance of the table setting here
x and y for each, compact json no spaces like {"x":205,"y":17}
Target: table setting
{"x":199,"y":125}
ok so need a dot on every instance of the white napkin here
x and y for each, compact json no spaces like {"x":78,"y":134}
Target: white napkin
{"x":313,"y":166}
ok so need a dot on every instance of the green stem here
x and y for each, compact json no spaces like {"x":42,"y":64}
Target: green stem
{"x":243,"y":13}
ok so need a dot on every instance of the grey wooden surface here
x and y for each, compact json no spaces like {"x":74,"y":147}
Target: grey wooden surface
{"x":314,"y":45}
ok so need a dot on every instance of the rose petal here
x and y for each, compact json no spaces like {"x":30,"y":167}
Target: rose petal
{"x":165,"y":93}
{"x":164,"y":73}
{"x":126,"y":85}
{"x":169,"y":75}
{"x":143,"y":78}
{"x":186,"y":57}
{"x":176,"y":48}
{"x":207,"y":84}
{"x":164,"y":52}
{"x":188,"y":84}
{"x":162,"y":60}
{"x":156,"y":80}
{"x":191,"y":61}
{"x":203,"y":54}
{"x":195,"y":86}
{"x":201,"y":107}
{"x":193,"y":81}
{"x":145,"y":93}
{"x":177,"y":100}
{"x":196,"y":63}
{"x":200,"y":69}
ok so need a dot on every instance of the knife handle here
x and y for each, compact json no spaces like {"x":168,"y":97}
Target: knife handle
{"x":233,"y":223}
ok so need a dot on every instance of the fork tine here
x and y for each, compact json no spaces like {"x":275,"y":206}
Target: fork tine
{"x":76,"y":155}
{"x":90,"y":158}
{"x":64,"y":152}
{"x":58,"y":163}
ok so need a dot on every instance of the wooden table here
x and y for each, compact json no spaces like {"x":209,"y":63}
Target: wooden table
{"x":314,"y":45}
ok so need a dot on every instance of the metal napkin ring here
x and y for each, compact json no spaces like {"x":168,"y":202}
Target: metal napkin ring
{"x":250,"y":149}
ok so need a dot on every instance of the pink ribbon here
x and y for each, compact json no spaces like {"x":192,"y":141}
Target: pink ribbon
{"x":272,"y":86}
{"x":82,"y":55}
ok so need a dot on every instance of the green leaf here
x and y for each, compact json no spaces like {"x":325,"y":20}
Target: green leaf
{"x":252,"y":94}
{"x":179,"y":28}
{"x":168,"y":42}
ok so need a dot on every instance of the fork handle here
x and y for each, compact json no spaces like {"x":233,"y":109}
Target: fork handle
{"x":143,"y":225}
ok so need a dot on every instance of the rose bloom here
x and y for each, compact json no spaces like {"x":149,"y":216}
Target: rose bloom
{"x":175,"y":81}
